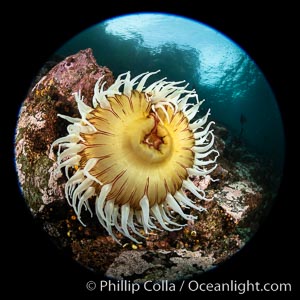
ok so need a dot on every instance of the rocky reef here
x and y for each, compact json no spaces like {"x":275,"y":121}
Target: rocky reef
{"x":240,"y":198}
{"x":38,"y":124}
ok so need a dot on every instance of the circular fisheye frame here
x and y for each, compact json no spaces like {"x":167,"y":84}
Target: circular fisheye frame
{"x":150,"y":145}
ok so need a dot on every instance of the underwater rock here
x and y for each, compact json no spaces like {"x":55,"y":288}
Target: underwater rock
{"x":39,"y":125}
{"x":159,"y":265}
{"x":238,"y":198}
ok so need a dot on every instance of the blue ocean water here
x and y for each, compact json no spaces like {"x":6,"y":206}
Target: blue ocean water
{"x":183,"y":49}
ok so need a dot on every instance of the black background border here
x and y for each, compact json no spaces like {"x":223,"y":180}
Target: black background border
{"x":35,"y":266}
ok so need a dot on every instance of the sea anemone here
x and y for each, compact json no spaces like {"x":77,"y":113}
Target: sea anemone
{"x":133,"y":152}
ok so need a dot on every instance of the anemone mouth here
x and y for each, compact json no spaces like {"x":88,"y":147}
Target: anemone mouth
{"x":139,"y":152}
{"x":135,"y":150}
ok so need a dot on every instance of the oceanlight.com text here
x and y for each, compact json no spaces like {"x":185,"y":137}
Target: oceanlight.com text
{"x":232,"y":286}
